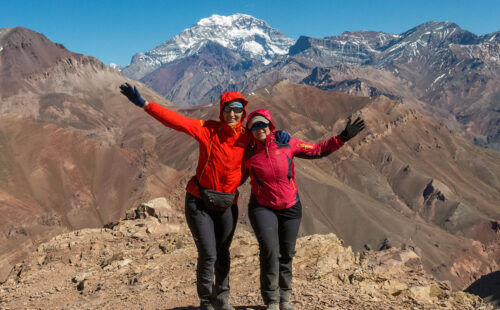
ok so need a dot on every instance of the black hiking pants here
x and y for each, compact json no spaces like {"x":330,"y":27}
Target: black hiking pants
{"x":212,"y":233}
{"x":277,"y":234}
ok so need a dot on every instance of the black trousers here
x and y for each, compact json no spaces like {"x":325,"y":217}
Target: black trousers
{"x":212,"y":233}
{"x":277,"y":235}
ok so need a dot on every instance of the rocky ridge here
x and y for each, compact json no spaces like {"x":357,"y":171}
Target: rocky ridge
{"x":147,"y":260}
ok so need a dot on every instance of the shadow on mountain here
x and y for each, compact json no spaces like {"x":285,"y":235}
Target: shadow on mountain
{"x":487,"y":287}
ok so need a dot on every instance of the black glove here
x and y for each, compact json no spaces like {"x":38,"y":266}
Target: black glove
{"x":351,"y":130}
{"x":282,"y":137}
{"x":132,"y":94}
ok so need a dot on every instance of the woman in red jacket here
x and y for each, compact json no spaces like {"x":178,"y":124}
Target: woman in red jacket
{"x":274,"y":209}
{"x":211,"y":195}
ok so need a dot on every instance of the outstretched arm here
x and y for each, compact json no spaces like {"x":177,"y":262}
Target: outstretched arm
{"x":167,"y":117}
{"x":306,"y":150}
{"x":191,"y":126}
{"x":310,"y":150}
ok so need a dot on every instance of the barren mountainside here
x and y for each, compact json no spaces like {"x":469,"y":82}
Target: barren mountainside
{"x":65,"y":133}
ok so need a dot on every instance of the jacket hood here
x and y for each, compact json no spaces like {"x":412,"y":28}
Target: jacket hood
{"x":264,"y":113}
{"x":231,"y":96}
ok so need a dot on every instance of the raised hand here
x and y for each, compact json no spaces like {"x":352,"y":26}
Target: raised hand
{"x":351,"y":130}
{"x":132,"y":94}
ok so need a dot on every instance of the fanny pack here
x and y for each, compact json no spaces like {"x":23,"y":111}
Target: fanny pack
{"x":214,"y":200}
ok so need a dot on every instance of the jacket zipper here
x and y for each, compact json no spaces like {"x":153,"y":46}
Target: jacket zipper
{"x":270,"y":161}
{"x":208,"y":157}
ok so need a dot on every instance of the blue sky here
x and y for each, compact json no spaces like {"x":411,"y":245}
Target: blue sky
{"x":113,"y":31}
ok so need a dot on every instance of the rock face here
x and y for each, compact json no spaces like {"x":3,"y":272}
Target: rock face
{"x":129,"y":267}
{"x":245,"y":35}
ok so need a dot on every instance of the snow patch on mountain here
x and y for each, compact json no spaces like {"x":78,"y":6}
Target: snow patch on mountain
{"x":116,"y":66}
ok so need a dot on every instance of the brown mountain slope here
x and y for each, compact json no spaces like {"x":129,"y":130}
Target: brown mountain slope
{"x":407,"y":179}
{"x":54,"y":179}
{"x":50,"y":84}
{"x":460,"y":105}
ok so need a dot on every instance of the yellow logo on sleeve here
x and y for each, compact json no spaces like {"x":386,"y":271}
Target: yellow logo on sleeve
{"x":306,"y":146}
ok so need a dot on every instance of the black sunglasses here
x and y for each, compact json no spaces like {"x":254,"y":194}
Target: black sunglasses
{"x":259,"y":125}
{"x":236,"y":110}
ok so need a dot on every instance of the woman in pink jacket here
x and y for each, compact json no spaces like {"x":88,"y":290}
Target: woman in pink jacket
{"x":274,"y":209}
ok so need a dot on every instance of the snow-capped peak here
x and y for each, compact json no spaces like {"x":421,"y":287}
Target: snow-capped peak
{"x":247,"y":35}
{"x":116,"y":66}
{"x":221,"y":20}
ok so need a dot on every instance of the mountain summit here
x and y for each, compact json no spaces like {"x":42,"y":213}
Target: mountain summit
{"x":244,"y":34}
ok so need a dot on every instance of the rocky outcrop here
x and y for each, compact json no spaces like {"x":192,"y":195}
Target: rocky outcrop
{"x":131,"y":266}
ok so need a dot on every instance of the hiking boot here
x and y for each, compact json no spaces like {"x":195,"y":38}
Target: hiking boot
{"x":286,"y":305}
{"x":272,"y":306}
{"x":223,"y":306}
{"x":206,"y":307}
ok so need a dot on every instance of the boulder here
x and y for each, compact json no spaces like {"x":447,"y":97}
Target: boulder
{"x":5,"y":269}
{"x":158,"y":207}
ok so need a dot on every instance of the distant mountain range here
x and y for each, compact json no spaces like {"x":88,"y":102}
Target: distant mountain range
{"x":446,"y":72}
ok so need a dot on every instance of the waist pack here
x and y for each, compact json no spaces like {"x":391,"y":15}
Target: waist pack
{"x":214,"y":200}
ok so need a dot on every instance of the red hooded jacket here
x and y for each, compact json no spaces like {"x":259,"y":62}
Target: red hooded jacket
{"x":271,"y":166}
{"x":221,"y":145}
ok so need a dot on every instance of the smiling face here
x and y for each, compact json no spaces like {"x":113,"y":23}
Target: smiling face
{"x":260,"y":131}
{"x":232,"y":118}
{"x":231,"y":113}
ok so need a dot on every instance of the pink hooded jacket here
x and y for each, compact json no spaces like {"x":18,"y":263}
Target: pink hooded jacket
{"x":271,"y":166}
